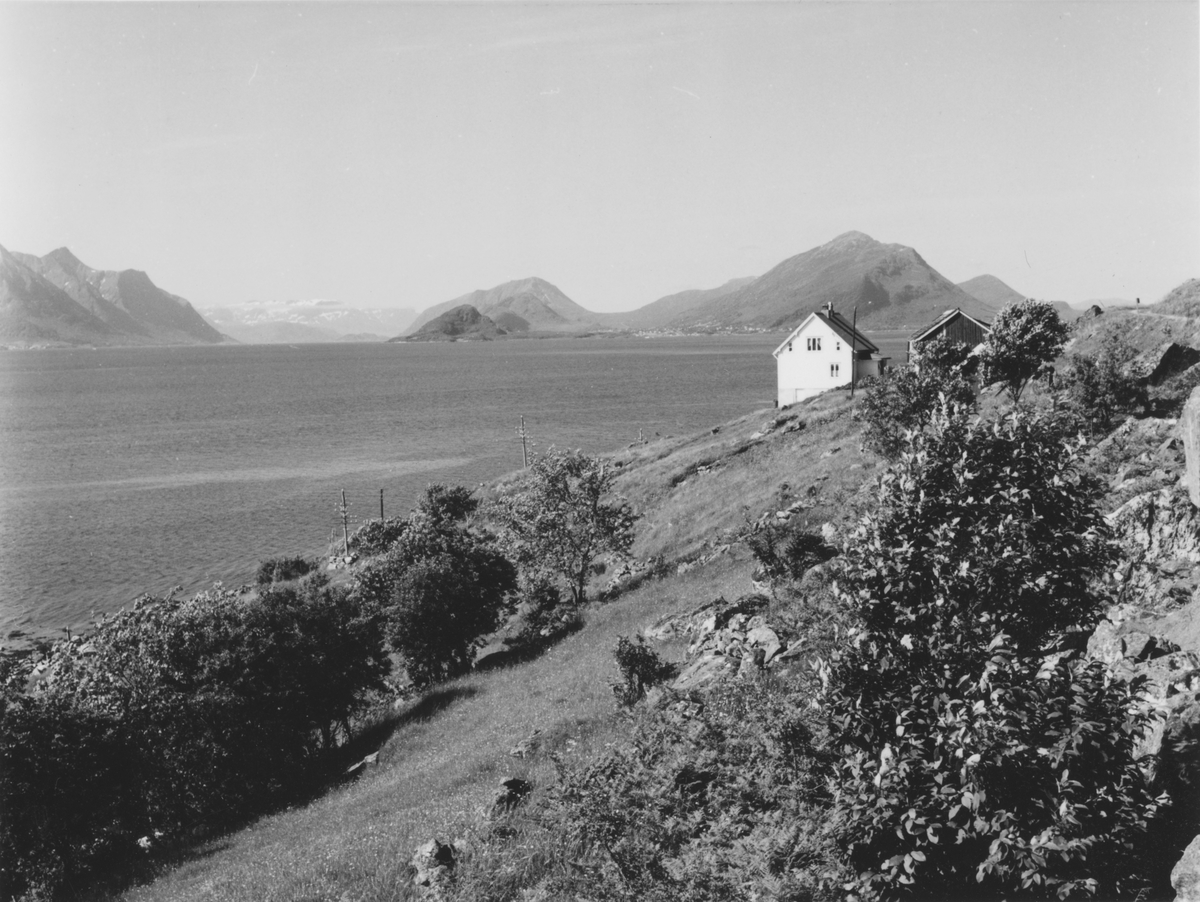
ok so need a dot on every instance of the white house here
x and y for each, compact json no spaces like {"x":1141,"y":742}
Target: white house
{"x":825,"y":351}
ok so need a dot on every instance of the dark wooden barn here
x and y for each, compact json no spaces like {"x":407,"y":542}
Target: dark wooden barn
{"x":956,"y":326}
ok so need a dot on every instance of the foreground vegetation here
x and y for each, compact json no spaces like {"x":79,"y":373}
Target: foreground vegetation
{"x":939,"y":732}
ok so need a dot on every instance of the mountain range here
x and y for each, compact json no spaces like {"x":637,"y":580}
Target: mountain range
{"x":59,"y":300}
{"x":294,"y":322}
{"x":56,"y":300}
{"x":890,"y":285}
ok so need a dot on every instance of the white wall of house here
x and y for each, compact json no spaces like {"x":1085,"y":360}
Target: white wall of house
{"x":813,"y":359}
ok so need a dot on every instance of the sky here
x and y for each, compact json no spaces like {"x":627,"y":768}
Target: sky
{"x":406,"y":154}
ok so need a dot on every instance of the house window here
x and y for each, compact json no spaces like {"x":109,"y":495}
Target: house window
{"x":814,"y":344}
{"x":834,"y":369}
{"x":789,"y":345}
{"x":839,"y":346}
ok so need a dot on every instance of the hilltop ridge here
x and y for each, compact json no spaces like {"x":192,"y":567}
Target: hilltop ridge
{"x":542,"y":305}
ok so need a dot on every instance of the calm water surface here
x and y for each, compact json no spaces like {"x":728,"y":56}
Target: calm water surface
{"x":125,"y":471}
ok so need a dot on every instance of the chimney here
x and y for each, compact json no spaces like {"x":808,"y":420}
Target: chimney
{"x":829,"y":308}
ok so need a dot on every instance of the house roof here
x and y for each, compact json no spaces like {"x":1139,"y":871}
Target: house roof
{"x":944,"y":319}
{"x":840,"y":325}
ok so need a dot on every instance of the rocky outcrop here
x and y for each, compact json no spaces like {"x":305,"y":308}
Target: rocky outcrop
{"x":727,"y":639}
{"x":1167,"y":360}
{"x":434,"y":864}
{"x":1189,"y":426}
{"x":1159,"y":532}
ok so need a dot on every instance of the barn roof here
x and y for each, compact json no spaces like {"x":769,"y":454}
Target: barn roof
{"x":840,"y":325}
{"x":944,"y":320}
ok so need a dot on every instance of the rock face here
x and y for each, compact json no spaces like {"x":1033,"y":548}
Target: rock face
{"x":1189,"y":426}
{"x":1169,"y":360}
{"x":1185,"y":876}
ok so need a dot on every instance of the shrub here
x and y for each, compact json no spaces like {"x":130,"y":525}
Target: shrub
{"x":282,"y":569}
{"x":448,"y":504}
{"x":178,"y":717}
{"x":558,"y":522}
{"x":376,"y":536}
{"x":1100,"y":387}
{"x":979,"y":759}
{"x":543,"y":617}
{"x":1026,"y":336}
{"x":786,"y":550}
{"x":70,"y":794}
{"x":440,"y":587}
{"x":902,"y":401}
{"x":441,"y":604}
{"x":640,"y":669}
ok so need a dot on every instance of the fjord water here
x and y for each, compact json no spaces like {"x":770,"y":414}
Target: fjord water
{"x":125,"y":471}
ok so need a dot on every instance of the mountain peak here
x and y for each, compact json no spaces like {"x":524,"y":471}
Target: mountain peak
{"x":851,"y":237}
{"x":64,"y":258}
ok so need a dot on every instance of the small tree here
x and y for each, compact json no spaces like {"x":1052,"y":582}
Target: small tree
{"x":559,"y":521}
{"x":1101,"y":386}
{"x":1026,"y":336}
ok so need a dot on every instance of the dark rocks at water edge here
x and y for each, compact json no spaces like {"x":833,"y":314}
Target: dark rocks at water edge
{"x":465,"y":323}
{"x":57,"y":300}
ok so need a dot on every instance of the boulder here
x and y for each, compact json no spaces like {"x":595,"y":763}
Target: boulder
{"x":512,"y":793}
{"x":707,"y":668}
{"x":766,"y":639}
{"x":526,"y":747}
{"x":1168,"y":360}
{"x":1185,"y":876}
{"x":434,"y":864}
{"x":1189,"y":428}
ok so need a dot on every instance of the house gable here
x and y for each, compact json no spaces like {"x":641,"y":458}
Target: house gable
{"x":956,"y":324}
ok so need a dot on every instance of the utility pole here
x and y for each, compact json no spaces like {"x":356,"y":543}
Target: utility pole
{"x":853,"y":352}
{"x":345,"y":527}
{"x":524,"y":445}
{"x":381,"y":504}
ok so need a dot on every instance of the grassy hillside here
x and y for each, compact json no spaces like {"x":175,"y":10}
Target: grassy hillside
{"x":442,"y":757}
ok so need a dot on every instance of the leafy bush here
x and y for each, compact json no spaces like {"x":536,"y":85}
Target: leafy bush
{"x":70,"y":794}
{"x":543,"y":616}
{"x":1100,"y":387}
{"x":640,"y":669}
{"x":440,"y":587}
{"x":558,"y":522}
{"x":1026,"y":336}
{"x":181,"y":716}
{"x":979,"y":758}
{"x":448,"y":504}
{"x":376,"y":536}
{"x":441,"y":604}
{"x":283,"y":569}
{"x":901,"y":401}
{"x":786,"y":550}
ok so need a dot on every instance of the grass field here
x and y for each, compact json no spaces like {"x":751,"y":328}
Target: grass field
{"x":443,"y":755}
